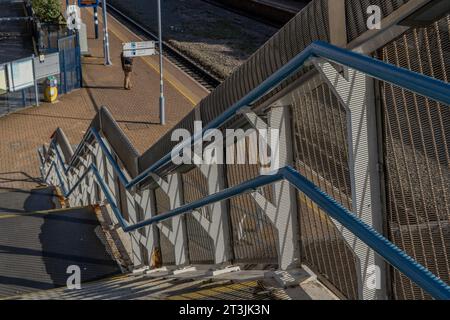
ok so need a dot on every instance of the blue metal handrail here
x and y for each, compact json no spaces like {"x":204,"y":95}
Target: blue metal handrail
{"x":418,"y":83}
{"x":386,"y":249}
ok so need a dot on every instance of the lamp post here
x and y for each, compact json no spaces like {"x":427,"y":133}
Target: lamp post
{"x":162,"y":108}
{"x":96,"y":21}
{"x":105,"y":35}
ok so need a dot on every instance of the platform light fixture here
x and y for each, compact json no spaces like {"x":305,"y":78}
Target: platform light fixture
{"x":106,"y":34}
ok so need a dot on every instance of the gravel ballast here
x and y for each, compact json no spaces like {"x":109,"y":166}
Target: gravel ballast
{"x":217,"y":39}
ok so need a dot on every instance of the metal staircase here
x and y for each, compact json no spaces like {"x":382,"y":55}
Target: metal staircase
{"x":105,"y":170}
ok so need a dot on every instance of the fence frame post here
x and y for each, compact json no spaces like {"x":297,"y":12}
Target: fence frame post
{"x":282,"y":212}
{"x":356,"y":91}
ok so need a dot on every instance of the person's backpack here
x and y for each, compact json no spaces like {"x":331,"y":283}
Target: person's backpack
{"x":127,"y":64}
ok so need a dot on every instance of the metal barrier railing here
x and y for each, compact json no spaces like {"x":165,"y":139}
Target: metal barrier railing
{"x":415,"y":82}
{"x":391,"y":253}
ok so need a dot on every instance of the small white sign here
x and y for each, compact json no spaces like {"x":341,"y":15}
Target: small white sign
{"x":48,"y":67}
{"x":73,"y":17}
{"x":139,"y":53}
{"x":139,"y":45}
{"x":3,"y":80}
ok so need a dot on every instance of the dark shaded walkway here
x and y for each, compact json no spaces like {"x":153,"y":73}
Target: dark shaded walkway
{"x":22,"y":201}
{"x":37,"y":248}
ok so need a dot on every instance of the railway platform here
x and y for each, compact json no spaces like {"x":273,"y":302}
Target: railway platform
{"x":137,"y":110}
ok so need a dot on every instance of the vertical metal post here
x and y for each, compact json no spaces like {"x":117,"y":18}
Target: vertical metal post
{"x":78,"y":59}
{"x":105,"y":34}
{"x":218,"y":228}
{"x":286,"y":218}
{"x":337,"y":23}
{"x":24,"y":102}
{"x":364,"y":174}
{"x":152,"y":235}
{"x":36,"y":89}
{"x":162,"y":110}
{"x":96,"y":21}
{"x":64,"y":70}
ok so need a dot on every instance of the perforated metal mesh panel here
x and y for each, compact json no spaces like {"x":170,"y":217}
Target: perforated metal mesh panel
{"x":167,"y":248}
{"x":165,"y":145}
{"x":356,"y":11}
{"x":254,"y":236}
{"x":309,"y":25}
{"x":201,"y":246}
{"x":321,"y":155}
{"x":119,"y":142}
{"x":417,"y":164}
{"x":64,"y":144}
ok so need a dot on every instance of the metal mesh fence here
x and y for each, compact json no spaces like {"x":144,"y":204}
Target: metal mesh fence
{"x":309,"y":25}
{"x":70,"y":63}
{"x":201,"y":245}
{"x":321,"y":155}
{"x":47,"y":37}
{"x":321,"y":146}
{"x":416,"y":139}
{"x":14,"y":101}
{"x":417,"y":164}
{"x":167,"y":248}
{"x":22,"y":46}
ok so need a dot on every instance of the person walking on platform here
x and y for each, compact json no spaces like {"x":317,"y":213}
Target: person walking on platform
{"x":127,"y":67}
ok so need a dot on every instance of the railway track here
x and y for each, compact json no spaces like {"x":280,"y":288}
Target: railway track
{"x":246,"y":13}
{"x":189,"y":66}
{"x":265,"y":12}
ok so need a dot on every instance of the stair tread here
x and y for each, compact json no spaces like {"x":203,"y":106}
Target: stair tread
{"x":145,"y":288}
{"x":36,"y":250}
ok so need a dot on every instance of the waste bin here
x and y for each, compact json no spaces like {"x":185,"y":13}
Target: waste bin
{"x":51,"y":89}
